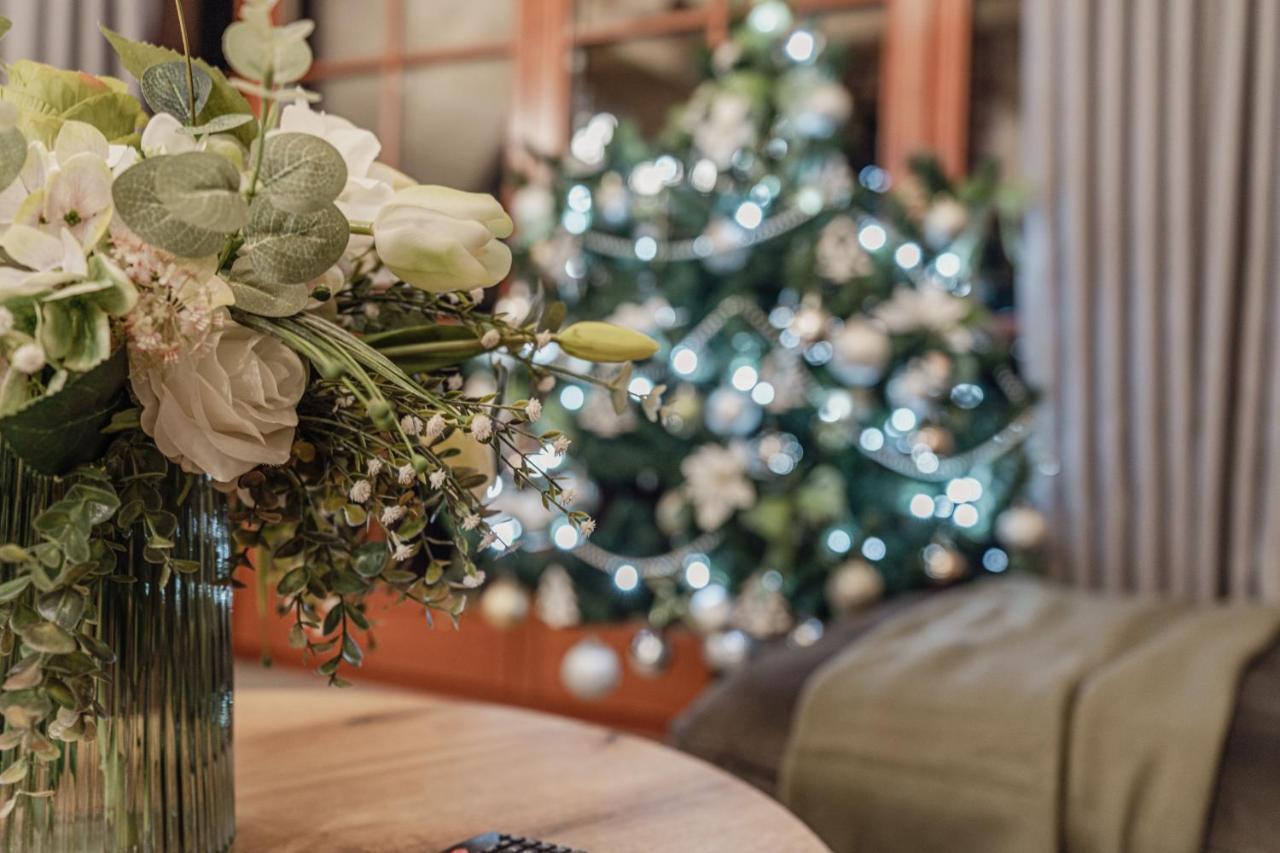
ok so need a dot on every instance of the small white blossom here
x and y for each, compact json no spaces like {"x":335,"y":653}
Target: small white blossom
{"x":361,"y":491}
{"x":546,"y":383}
{"x":411,"y":424}
{"x":473,"y":580}
{"x":28,"y":358}
{"x":406,"y":475}
{"x":402,"y":553}
{"x":488,"y":539}
{"x":561,"y":445}
{"x":477,"y":294}
{"x":374,"y":468}
{"x":534,"y":409}
{"x":437,"y":478}
{"x":587,"y":527}
{"x":371,"y":310}
{"x":569,"y":497}
{"x":471,"y":522}
{"x":6,"y":321}
{"x":454,"y":382}
{"x":542,"y":338}
{"x":490,"y":339}
{"x":391,"y":515}
{"x":435,"y":427}
{"x":481,"y":427}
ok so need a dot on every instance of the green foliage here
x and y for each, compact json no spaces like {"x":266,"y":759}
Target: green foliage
{"x":166,"y":90}
{"x":301,"y":173}
{"x":187,"y":204}
{"x":47,"y":97}
{"x":257,"y":51}
{"x":224,"y":99}
{"x":264,"y":298}
{"x":54,"y":434}
{"x":13,"y":154}
{"x":290,"y":248}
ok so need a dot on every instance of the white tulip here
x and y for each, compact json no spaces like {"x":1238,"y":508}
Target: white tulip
{"x":441,"y":239}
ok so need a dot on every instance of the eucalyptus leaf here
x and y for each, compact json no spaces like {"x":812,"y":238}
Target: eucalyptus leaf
{"x":221,"y":124}
{"x":255,"y":52}
{"x":13,"y":155}
{"x":266,"y":299}
{"x":184,"y":203}
{"x":137,"y":57}
{"x":11,"y":589}
{"x":48,"y":638}
{"x":370,"y":558}
{"x":289,"y":248}
{"x":301,"y":172}
{"x":56,"y":433}
{"x":166,"y":88}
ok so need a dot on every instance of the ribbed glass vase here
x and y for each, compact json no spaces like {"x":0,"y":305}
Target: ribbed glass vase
{"x":158,"y":777}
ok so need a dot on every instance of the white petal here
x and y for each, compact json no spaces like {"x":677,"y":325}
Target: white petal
{"x":32,"y":248}
{"x":76,"y":137}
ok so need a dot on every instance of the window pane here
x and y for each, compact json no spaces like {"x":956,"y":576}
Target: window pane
{"x":431,"y":23}
{"x":640,"y":80}
{"x":455,"y":121}
{"x":353,"y":98}
{"x":589,"y":13}
{"x":995,"y":116}
{"x":346,"y":30}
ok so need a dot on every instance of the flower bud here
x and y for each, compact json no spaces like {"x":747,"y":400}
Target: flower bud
{"x":441,"y":239}
{"x":596,"y":341}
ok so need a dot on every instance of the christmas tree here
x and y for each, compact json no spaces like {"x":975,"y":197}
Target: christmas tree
{"x":834,"y":414}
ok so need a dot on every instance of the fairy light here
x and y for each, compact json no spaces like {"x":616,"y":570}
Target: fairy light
{"x":697,"y":571}
{"x":646,"y":248}
{"x":626,"y":577}
{"x":922,"y":506}
{"x":745,"y":378}
{"x":872,"y":237}
{"x":800,"y":46}
{"x":572,"y":397}
{"x":684,"y":361}
{"x":948,"y":264}
{"x":873,"y":548}
{"x":907,"y":256}
{"x":564,"y":534}
{"x":763,"y":394}
{"x":749,"y":215}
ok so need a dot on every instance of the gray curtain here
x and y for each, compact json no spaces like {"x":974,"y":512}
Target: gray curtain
{"x":1151,"y":294}
{"x":65,"y":32}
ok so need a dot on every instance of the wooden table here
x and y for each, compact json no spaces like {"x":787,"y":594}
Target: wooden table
{"x":372,"y":770}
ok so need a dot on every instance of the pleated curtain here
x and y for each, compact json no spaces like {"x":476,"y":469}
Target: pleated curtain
{"x":65,"y":32}
{"x":1151,"y":292}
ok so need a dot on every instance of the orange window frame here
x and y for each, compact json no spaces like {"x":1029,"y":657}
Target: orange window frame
{"x":924,"y":91}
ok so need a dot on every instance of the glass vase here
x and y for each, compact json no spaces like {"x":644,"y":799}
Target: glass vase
{"x":158,"y":776}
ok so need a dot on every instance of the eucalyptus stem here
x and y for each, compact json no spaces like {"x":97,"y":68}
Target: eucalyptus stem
{"x":186,"y":53}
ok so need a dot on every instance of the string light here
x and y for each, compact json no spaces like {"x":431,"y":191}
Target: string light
{"x":704,"y":176}
{"x":626,"y":577}
{"x":922,"y":506}
{"x":872,"y":237}
{"x":948,"y":264}
{"x":564,"y":534}
{"x":839,"y":541}
{"x":572,"y":397}
{"x":995,"y":560}
{"x":966,"y":515}
{"x":745,"y":378}
{"x":907,"y":256}
{"x":800,"y":46}
{"x":749,"y":215}
{"x":871,"y":439}
{"x":684,"y":361}
{"x":697,"y":572}
{"x":873,"y":548}
{"x":646,"y":248}
{"x":763,"y":394}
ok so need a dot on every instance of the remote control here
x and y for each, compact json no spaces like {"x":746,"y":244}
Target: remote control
{"x":501,"y":842}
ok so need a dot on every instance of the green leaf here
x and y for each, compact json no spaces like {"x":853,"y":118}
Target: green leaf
{"x":253,"y":51}
{"x":48,"y":638}
{"x":10,"y":553}
{"x":165,"y":86}
{"x":5,"y":26}
{"x":351,"y":652}
{"x":289,"y":248}
{"x":265,"y":299}
{"x":184,"y":203}
{"x":221,"y":124}
{"x":301,"y":172}
{"x":63,"y":608}
{"x":552,"y":318}
{"x":13,"y":154}
{"x":47,"y":97}
{"x":137,"y":57}
{"x":292,"y":582}
{"x":56,"y":433}
{"x":420,"y":349}
{"x":11,"y":589}
{"x":370,"y":558}
{"x":99,"y":502}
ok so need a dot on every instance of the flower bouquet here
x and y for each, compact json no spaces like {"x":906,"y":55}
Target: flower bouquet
{"x":222,"y":298}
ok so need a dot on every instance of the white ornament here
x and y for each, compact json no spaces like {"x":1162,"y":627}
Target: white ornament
{"x":649,"y":653}
{"x":504,"y":604}
{"x":725,"y":651}
{"x":860,"y":351}
{"x":716,"y":483}
{"x":557,"y":602}
{"x":732,"y":413}
{"x":710,"y":608}
{"x":852,"y":585}
{"x":1022,"y":528}
{"x":590,"y":670}
{"x":838,"y":256}
{"x":761,"y":611}
{"x":944,"y":221}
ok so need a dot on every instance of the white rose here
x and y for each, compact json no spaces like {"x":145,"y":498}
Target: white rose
{"x":227,"y":408}
{"x":369,"y":184}
{"x":441,"y":239}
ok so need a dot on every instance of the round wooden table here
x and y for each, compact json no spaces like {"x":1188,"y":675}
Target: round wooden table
{"x":372,"y":770}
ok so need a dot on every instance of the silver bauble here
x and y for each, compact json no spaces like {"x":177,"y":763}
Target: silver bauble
{"x":649,"y":653}
{"x":860,"y":351}
{"x":730,"y":412}
{"x":590,"y":670}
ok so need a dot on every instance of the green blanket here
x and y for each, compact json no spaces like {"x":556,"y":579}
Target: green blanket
{"x":1018,"y":716}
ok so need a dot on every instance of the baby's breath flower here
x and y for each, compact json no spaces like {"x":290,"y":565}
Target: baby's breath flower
{"x":587,"y":527}
{"x":490,"y":339}
{"x":435,"y":426}
{"x":411,"y":424}
{"x":406,"y":475}
{"x":374,"y":468}
{"x":568,"y":497}
{"x":546,"y":383}
{"x":391,"y":515}
{"x":561,"y":445}
{"x":473,"y":580}
{"x":361,"y":491}
{"x":6,"y":321}
{"x":471,"y":522}
{"x":402,"y":552}
{"x":437,"y":478}
{"x":534,"y":409}
{"x":454,"y":382}
{"x":481,"y":427}
{"x":477,"y":294}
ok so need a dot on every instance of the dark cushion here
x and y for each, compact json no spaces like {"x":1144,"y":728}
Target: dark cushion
{"x":742,"y":722}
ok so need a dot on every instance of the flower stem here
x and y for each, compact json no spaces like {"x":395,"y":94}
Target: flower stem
{"x":186,"y":53}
